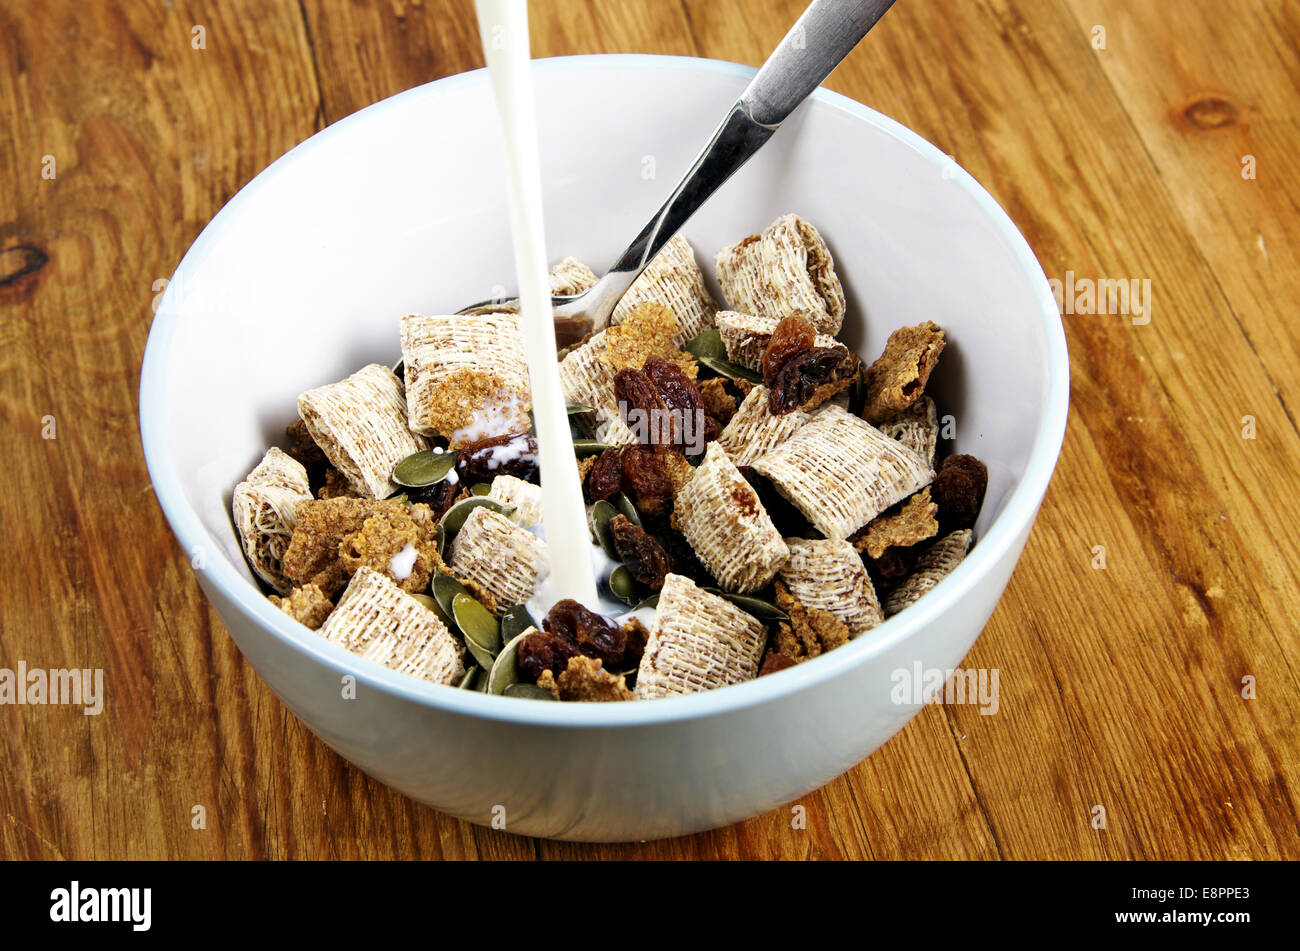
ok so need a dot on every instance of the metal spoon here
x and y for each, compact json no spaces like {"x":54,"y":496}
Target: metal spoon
{"x":822,"y":36}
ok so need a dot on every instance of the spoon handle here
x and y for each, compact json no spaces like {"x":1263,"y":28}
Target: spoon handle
{"x":815,"y":45}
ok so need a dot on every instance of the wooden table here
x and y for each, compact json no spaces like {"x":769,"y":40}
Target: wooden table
{"x":1127,"y":140}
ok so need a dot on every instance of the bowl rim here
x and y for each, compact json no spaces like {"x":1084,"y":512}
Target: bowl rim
{"x":1018,"y":514}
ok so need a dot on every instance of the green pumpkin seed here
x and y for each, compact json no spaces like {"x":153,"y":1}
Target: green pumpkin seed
{"x":624,"y":587}
{"x":624,"y":505}
{"x":440,"y":538}
{"x":527,"y":692}
{"x":589,"y":447}
{"x":435,"y":607}
{"x":732,"y":371}
{"x":445,"y":589}
{"x":470,"y":680}
{"x":477,"y":624}
{"x":423,"y":468}
{"x":577,"y":409}
{"x":601,"y":515}
{"x":480,"y":488}
{"x":454,"y":519}
{"x":504,"y":672}
{"x":707,"y":343}
{"x":763,"y":610}
{"x":650,"y":602}
{"x":514,"y":622}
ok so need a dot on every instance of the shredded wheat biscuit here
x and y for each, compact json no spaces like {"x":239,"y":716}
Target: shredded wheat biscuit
{"x":571,"y":277}
{"x":754,"y":431}
{"x":841,"y":472}
{"x":746,"y":337}
{"x":499,"y":556}
{"x":697,"y":641}
{"x":674,"y":280}
{"x":377,"y":620}
{"x":898,"y":377}
{"x":726,"y":525}
{"x":917,"y":428}
{"x":786,"y":268}
{"x":524,"y":496}
{"x":829,"y":575}
{"x":466,"y":375}
{"x":265,"y":508}
{"x":360,"y":425}
{"x":935,"y":565}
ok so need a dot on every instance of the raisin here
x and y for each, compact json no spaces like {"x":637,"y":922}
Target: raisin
{"x":680,"y":553}
{"x":636,"y":641}
{"x":644,"y":558}
{"x":645,"y":477}
{"x":800,"y":376}
{"x":792,"y":335}
{"x":484,"y":460}
{"x":439,"y":497}
{"x":587,"y":631}
{"x":606,"y":476}
{"x":958,"y":489}
{"x":538,"y":652}
{"x":636,"y":391}
{"x":683,"y":400}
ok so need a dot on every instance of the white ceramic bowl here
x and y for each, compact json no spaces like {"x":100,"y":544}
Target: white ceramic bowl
{"x":301,"y":278}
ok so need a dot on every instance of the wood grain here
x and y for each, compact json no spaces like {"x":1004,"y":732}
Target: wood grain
{"x":1120,"y":687}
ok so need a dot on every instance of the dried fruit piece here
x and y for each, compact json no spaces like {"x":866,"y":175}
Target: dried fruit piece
{"x":606,"y":477}
{"x":439,"y":497}
{"x":682,"y":399}
{"x":791,"y":336}
{"x":958,"y":490}
{"x":646,"y":478}
{"x":802,"y":377}
{"x":537,"y":652}
{"x":644,"y":557}
{"x":898,"y":377}
{"x":484,"y":460}
{"x":590,"y":633}
{"x":643,"y":410}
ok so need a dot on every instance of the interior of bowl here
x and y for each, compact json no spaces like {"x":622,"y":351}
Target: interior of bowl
{"x":301,"y":279}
